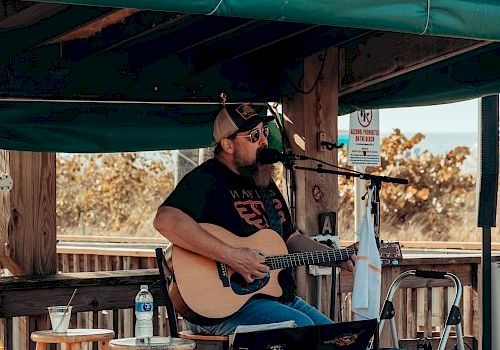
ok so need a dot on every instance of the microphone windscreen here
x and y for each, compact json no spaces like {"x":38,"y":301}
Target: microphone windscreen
{"x":269,"y":156}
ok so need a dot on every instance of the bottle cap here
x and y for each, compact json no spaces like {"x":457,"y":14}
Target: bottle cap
{"x":144,"y":286}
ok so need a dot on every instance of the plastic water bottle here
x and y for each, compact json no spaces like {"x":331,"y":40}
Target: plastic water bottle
{"x":144,"y":313}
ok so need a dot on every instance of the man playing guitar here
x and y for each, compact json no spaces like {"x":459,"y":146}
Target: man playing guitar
{"x":234,"y":191}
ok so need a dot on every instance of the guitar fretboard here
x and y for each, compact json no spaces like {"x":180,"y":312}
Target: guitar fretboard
{"x":308,"y":258}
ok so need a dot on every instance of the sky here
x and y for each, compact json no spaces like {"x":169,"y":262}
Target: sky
{"x":448,"y":118}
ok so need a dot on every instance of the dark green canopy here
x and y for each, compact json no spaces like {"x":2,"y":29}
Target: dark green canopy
{"x":461,"y":18}
{"x":94,"y":127}
{"x":108,"y":80}
{"x":104,"y":127}
{"x":466,"y":77}
{"x":99,"y":127}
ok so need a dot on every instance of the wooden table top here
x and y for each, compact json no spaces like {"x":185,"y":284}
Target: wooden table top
{"x":154,"y":343}
{"x":73,"y":335}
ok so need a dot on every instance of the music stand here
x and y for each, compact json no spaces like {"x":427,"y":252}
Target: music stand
{"x":342,"y":336}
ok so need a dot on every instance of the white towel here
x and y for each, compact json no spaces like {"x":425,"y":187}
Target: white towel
{"x":368,"y":274}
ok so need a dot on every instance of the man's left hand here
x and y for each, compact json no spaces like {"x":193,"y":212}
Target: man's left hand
{"x":349,"y":264}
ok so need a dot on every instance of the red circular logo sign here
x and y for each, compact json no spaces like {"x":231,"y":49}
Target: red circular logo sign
{"x":365,"y":118}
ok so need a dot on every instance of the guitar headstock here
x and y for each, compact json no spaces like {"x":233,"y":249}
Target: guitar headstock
{"x":6,"y":182}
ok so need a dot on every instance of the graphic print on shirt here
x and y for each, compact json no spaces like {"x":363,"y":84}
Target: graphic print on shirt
{"x":249,"y":206}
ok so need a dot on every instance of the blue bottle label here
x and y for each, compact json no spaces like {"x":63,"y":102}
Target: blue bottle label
{"x":143,"y":307}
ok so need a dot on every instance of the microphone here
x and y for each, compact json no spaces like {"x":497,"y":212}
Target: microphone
{"x":270,"y":156}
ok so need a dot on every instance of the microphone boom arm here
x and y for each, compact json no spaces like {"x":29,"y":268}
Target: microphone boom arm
{"x":364,"y":176}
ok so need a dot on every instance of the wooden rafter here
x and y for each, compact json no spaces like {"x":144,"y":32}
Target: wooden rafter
{"x":382,"y":56}
{"x":90,"y":29}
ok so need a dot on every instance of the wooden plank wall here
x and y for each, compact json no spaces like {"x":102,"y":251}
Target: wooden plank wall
{"x":308,"y":113}
{"x":29,"y":216}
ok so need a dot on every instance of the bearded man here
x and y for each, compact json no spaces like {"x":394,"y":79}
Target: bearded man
{"x":234,"y":191}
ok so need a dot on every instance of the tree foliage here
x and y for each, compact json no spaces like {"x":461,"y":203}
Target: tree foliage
{"x":110,"y":193}
{"x":118,"y":194}
{"x":436,"y":196}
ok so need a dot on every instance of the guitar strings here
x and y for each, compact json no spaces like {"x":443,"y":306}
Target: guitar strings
{"x":308,"y":258}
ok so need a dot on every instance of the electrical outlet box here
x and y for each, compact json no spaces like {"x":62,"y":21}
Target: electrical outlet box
{"x":321,"y":138}
{"x":316,"y":270}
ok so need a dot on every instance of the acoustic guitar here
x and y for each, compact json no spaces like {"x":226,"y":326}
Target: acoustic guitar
{"x":205,"y":291}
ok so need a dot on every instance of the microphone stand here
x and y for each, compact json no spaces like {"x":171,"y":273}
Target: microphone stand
{"x":375,"y":183}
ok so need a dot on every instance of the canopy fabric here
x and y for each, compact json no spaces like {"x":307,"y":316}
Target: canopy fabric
{"x":461,"y":78}
{"x":119,"y":126}
{"x":476,"y":19}
{"x":68,"y":127}
{"x":104,"y":127}
{"x":99,"y":127}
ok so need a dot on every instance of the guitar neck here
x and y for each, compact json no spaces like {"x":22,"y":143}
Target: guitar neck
{"x":308,"y":258}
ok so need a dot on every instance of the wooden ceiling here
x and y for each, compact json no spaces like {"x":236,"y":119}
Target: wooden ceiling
{"x":63,"y":51}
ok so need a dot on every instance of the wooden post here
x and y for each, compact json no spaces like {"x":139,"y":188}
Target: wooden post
{"x":28,"y":222}
{"x":308,"y":114}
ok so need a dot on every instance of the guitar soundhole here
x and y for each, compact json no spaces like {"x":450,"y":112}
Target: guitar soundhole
{"x":241,"y":287}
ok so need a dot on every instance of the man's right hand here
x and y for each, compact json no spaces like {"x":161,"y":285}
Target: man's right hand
{"x":249,"y":263}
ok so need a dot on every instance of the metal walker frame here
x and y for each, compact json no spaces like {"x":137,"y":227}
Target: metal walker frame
{"x":453,"y":319}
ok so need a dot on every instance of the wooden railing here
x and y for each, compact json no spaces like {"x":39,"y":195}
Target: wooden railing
{"x":422,"y":305}
{"x":105,"y":299}
{"x":163,"y":241}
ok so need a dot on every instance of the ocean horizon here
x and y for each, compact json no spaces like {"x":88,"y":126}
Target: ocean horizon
{"x":437,"y":143}
{"x":434,"y":142}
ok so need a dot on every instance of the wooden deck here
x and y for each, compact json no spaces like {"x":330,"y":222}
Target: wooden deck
{"x":107,"y":281}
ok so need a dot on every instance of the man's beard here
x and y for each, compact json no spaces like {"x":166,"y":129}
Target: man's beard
{"x":260,"y":174}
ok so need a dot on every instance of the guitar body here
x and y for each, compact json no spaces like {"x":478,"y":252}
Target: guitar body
{"x":206,"y":292}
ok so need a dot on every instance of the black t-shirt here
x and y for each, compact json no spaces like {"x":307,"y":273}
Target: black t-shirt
{"x":212,"y":193}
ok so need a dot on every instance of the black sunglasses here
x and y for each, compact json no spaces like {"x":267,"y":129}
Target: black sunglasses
{"x":254,"y":135}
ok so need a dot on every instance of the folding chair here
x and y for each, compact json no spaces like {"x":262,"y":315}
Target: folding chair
{"x":203,"y":342}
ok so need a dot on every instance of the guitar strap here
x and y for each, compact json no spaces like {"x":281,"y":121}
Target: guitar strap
{"x":272,"y":214}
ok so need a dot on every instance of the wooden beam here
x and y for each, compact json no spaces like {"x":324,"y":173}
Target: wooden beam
{"x":243,"y":40}
{"x":30,"y":15}
{"x":134,"y":27}
{"x":90,"y":29}
{"x":194,"y":31}
{"x":30,"y":295}
{"x":424,"y":245}
{"x":102,"y":251}
{"x":58,"y":21}
{"x":29,"y":213}
{"x":6,"y":259}
{"x":382,"y":56}
{"x":307,"y":115}
{"x":31,"y":233}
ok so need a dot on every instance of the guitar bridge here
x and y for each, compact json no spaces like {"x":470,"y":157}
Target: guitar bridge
{"x":222,"y":269}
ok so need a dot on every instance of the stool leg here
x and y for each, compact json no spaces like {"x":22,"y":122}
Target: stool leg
{"x":105,"y":345}
{"x":41,"y":346}
{"x":73,"y":346}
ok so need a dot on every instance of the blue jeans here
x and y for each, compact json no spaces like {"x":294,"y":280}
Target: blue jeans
{"x":261,"y":311}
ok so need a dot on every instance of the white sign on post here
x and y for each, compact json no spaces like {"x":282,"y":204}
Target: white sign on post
{"x":364,"y":138}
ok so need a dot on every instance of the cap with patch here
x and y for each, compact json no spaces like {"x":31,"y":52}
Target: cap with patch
{"x":234,"y":118}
